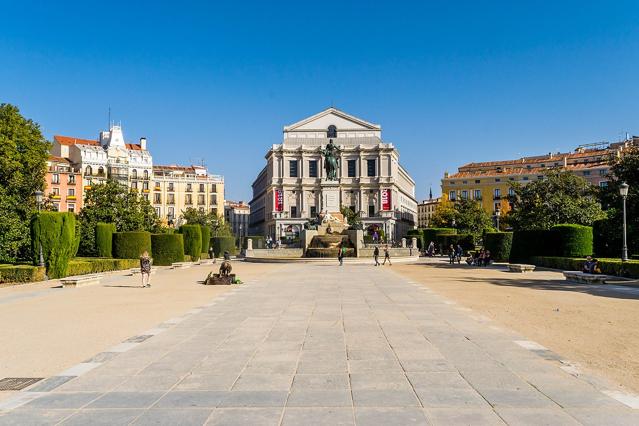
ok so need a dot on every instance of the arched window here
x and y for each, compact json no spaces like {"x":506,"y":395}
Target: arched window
{"x":100,"y":171}
{"x":146,"y":174}
{"x":331,"y":132}
{"x":88,"y":171}
{"x":135,"y":174}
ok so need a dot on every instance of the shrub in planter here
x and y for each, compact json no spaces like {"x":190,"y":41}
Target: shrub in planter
{"x":528,"y":243}
{"x":167,"y":248}
{"x":192,"y":241}
{"x":572,"y":240}
{"x":499,"y":244}
{"x":21,"y":273}
{"x":222,"y":244}
{"x":130,"y":245}
{"x":430,"y":234}
{"x":55,"y":232}
{"x":206,"y":238}
{"x":104,"y":239}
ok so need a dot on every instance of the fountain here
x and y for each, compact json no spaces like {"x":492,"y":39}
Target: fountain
{"x":331,"y":237}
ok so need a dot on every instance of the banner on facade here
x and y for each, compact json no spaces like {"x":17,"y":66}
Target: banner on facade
{"x":386,"y":199}
{"x":279,"y":200}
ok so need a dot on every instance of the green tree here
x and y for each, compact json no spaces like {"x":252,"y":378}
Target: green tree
{"x":444,"y":215}
{"x":218,"y":227}
{"x":560,"y":197}
{"x":23,"y":156}
{"x":468,"y":216}
{"x":112,"y":202}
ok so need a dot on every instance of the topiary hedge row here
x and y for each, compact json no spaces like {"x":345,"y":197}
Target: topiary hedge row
{"x":222,"y":244}
{"x":499,"y":244}
{"x":130,"y":245}
{"x":104,"y":239}
{"x":430,"y":234}
{"x":206,"y":238}
{"x":167,"y":249}
{"x":416,"y":233}
{"x":21,"y":273}
{"x":467,"y":242}
{"x":572,"y":240}
{"x":192,"y":241}
{"x":55,"y":233}
{"x":629,"y":269}
{"x":88,"y":265}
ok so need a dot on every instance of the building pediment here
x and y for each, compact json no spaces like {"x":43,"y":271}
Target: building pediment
{"x":331,"y":116}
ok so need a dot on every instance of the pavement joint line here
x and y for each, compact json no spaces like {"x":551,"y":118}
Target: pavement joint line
{"x":18,"y":400}
{"x":123,"y":347}
{"x":79,"y":369}
{"x":530,"y":345}
{"x":629,"y":399}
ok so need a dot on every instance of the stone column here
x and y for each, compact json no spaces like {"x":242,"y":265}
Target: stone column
{"x":414,"y":242}
{"x":403,"y":242}
{"x":249,"y":244}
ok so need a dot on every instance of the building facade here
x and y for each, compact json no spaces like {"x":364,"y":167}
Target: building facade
{"x":490,"y":182}
{"x":293,"y":188}
{"x":176,"y":188}
{"x":108,"y":157}
{"x":237,"y":215}
{"x":63,"y":185}
{"x":426,"y":210}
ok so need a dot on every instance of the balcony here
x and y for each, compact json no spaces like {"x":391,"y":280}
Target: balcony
{"x":171,"y":202}
{"x":71,"y":197}
{"x":496,"y":197}
{"x":157,"y":188}
{"x":55,"y":196}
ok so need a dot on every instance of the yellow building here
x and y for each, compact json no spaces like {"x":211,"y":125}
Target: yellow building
{"x":490,"y":182}
{"x":176,"y":188}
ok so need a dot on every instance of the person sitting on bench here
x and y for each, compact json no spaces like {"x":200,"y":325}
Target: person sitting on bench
{"x":591,"y":266}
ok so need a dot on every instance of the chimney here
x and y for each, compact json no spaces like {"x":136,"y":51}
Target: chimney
{"x":143,"y":143}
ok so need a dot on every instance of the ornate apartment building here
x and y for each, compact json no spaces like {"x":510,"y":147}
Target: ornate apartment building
{"x":426,"y":210}
{"x":237,"y":215}
{"x":63,"y":184}
{"x":293,"y":186}
{"x":490,"y":182}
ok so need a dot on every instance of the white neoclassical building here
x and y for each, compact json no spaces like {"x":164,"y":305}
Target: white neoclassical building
{"x":293,"y":188}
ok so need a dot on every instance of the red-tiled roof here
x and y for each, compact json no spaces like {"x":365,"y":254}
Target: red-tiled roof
{"x":557,"y":157}
{"x":506,"y":171}
{"x":55,"y":159}
{"x":68,"y":140}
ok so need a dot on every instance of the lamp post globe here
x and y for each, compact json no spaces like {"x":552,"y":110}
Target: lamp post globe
{"x":623,"y":191}
{"x":497,"y":215}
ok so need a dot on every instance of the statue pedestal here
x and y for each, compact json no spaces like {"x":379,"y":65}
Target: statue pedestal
{"x":330,"y":196}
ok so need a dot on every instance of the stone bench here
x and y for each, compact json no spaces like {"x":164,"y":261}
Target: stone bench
{"x":181,"y":265}
{"x":518,"y":267}
{"x":81,"y":280}
{"x":581,"y":277}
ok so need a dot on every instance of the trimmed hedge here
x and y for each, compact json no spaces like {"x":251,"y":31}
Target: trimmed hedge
{"x":167,"y":248}
{"x":430,"y":234}
{"x":222,"y":244}
{"x":607,"y":238}
{"x":416,"y":233}
{"x":104,"y":239}
{"x":55,"y":231}
{"x":258,"y":241}
{"x":192,"y":241}
{"x":206,"y":238}
{"x":130,"y":245}
{"x":499,"y":244}
{"x":21,"y":273}
{"x":629,"y":269}
{"x":572,"y":240}
{"x":529,"y":243}
{"x":467,"y":242}
{"x":91,"y":265}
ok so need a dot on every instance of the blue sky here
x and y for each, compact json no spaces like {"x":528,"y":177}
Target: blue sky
{"x":450,"y":82}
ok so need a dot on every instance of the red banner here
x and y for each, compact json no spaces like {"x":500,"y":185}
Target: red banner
{"x":279,"y":200}
{"x":386,"y":199}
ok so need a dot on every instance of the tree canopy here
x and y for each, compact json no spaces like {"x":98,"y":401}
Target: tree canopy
{"x":112,"y":202}
{"x":560,"y":197}
{"x":217,"y":225}
{"x":468,"y":215}
{"x":23,"y":157}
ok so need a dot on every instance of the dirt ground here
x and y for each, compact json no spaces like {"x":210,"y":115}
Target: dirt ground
{"x":46,"y":330}
{"x":595,"y":327}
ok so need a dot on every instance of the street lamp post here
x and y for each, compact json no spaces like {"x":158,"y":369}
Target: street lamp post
{"x":497,"y":214}
{"x":623,"y":190}
{"x":38,"y":196}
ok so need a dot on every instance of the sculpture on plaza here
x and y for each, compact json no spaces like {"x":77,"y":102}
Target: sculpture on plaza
{"x":330,"y":160}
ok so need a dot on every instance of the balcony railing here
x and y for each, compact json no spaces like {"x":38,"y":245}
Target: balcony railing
{"x":496,"y":197}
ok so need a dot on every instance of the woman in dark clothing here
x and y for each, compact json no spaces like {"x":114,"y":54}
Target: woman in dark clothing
{"x":145,"y":269}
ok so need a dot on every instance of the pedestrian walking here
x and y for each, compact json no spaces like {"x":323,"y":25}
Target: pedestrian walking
{"x":387,"y":255}
{"x":451,"y":254}
{"x":340,"y":255}
{"x":459,"y":252}
{"x":431,"y":249}
{"x":376,"y":255}
{"x":145,"y":269}
{"x":211,"y":254}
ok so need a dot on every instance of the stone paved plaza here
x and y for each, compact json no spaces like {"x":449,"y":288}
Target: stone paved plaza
{"x":323,"y":345}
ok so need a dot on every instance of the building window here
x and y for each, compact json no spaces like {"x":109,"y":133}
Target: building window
{"x":100,"y":171}
{"x":55,"y":178}
{"x":200,"y":200}
{"x":511,"y":192}
{"x":603,"y":172}
{"x":497,"y":180}
{"x":312,"y":168}
{"x":158,"y":198}
{"x":497,"y":194}
{"x":188,"y":199}
{"x":146,"y":174}
{"x":587,"y":173}
{"x":201,"y":187}
{"x":464,"y":195}
{"x":331,"y":131}
{"x":134,"y":174}
{"x":371,"y":210}
{"x":292,"y":168}
{"x":71,"y":192}
{"x":171,"y":212}
{"x":525,"y":177}
{"x":145,"y":186}
{"x":540,"y":177}
{"x":157,"y":211}
{"x":351,"y":165}
{"x":603,"y":184}
{"x":213,"y":188}
{"x":134,"y":185}
{"x":214,"y":199}
{"x":71,"y":208}
{"x":146,"y":197}
{"x":477,"y":181}
{"x":157,"y":186}
{"x":88,"y":171}
{"x":72,"y":179}
{"x":313,"y":211}
{"x":477,"y":194}
{"x":189,"y":187}
{"x":55,"y":191}
{"x":370,"y":168}
{"x":497,"y":206}
{"x":452,"y":195}
{"x":170,"y":186}
{"x":293,"y":211}
{"x":171,"y":199}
